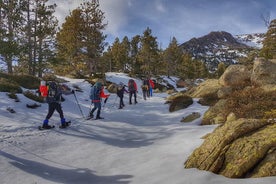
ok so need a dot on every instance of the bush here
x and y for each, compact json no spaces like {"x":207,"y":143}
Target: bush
{"x":7,"y":85}
{"x":251,"y":103}
{"x":33,"y":96}
{"x":26,"y":81}
{"x":13,"y":96}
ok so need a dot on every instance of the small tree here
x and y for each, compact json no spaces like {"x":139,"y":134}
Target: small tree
{"x":269,"y":45}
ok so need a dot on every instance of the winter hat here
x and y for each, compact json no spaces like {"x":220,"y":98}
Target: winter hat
{"x":98,"y":84}
{"x":121,"y":84}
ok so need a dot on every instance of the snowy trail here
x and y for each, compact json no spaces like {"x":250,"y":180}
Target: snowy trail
{"x":140,"y":144}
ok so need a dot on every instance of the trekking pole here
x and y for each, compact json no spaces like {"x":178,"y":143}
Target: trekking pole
{"x":79,"y":105}
{"x":115,"y":101}
{"x":105,"y":101}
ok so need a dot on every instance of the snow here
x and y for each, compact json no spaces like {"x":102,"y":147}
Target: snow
{"x":140,"y":144}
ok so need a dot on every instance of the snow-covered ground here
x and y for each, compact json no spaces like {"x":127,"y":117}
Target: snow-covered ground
{"x":140,"y":144}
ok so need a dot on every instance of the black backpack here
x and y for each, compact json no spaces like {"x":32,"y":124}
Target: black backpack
{"x":52,"y":89}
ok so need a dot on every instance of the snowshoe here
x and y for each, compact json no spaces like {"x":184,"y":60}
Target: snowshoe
{"x":65,"y":125}
{"x":99,"y":118}
{"x":46,"y":127}
{"x":89,"y":117}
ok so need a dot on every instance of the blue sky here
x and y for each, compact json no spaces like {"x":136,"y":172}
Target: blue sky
{"x":183,"y":19}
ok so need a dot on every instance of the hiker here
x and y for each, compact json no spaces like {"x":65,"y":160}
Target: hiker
{"x":120,"y":92}
{"x":145,"y":89}
{"x":96,"y":95}
{"x":53,"y":94}
{"x":151,"y":86}
{"x":132,"y":88}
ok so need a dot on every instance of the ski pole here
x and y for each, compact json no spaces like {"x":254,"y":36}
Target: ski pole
{"x":105,"y":101}
{"x":78,"y":105}
{"x":115,"y":101}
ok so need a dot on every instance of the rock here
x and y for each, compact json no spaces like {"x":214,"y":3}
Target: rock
{"x":179,"y":101}
{"x":235,"y":148}
{"x":112,"y":88}
{"x":236,"y":76}
{"x":224,"y":92}
{"x":264,"y":72}
{"x":213,"y":114}
{"x":206,"y":88}
{"x":191,"y":117}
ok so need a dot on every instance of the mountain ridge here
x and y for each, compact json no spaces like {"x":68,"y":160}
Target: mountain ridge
{"x":221,"y":46}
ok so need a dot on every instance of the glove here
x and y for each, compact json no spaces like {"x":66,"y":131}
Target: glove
{"x":73,"y":91}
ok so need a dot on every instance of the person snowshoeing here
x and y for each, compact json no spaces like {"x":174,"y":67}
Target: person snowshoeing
{"x":54,"y":98}
{"x":132,"y":88}
{"x":120,"y":92}
{"x":96,"y":95}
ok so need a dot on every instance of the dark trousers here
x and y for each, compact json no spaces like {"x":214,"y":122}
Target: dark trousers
{"x":51,"y":109}
{"x":121,"y":105}
{"x":145,"y":94}
{"x":130,"y":97}
{"x":97,"y":105}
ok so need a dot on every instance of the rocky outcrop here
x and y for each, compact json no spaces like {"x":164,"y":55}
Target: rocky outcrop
{"x":241,"y":146}
{"x":236,"y":148}
{"x":179,"y":101}
{"x":264,"y":72}
{"x":237,"y":76}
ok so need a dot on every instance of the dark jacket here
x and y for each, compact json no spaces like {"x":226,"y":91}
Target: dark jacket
{"x":121,"y":91}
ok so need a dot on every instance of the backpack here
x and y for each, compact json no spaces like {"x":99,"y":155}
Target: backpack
{"x":131,"y":86}
{"x":120,"y":90}
{"x":92,"y":93}
{"x":52,"y":89}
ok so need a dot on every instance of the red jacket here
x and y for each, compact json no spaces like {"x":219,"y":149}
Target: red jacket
{"x":151,"y":83}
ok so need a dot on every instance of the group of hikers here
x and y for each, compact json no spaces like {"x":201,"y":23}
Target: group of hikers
{"x":53,"y":94}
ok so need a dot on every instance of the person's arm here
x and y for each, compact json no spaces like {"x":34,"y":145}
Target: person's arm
{"x":103,"y":95}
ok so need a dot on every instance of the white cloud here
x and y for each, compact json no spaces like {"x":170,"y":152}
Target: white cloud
{"x":115,"y":13}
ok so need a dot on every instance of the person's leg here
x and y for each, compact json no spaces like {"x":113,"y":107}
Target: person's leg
{"x":130,"y":97}
{"x":60,"y":111}
{"x":121,"y":103}
{"x":51,"y":109}
{"x":92,"y":111}
{"x":135,"y":97}
{"x":99,"y":106}
{"x":145,"y":94}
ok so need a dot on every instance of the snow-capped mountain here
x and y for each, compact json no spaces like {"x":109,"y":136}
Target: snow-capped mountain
{"x":252,"y":40}
{"x":222,"y":46}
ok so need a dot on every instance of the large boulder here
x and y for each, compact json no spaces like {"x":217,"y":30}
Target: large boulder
{"x":236,"y":76}
{"x":264,"y":72}
{"x":237,"y":148}
{"x":214,"y":114}
{"x":209,"y":87}
{"x":179,"y":101}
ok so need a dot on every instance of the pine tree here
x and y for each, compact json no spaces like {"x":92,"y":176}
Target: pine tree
{"x":134,"y":50}
{"x":11,"y":20}
{"x":39,"y":35}
{"x":148,"y":54}
{"x":81,"y":40}
{"x":172,"y":57}
{"x":269,"y":45}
